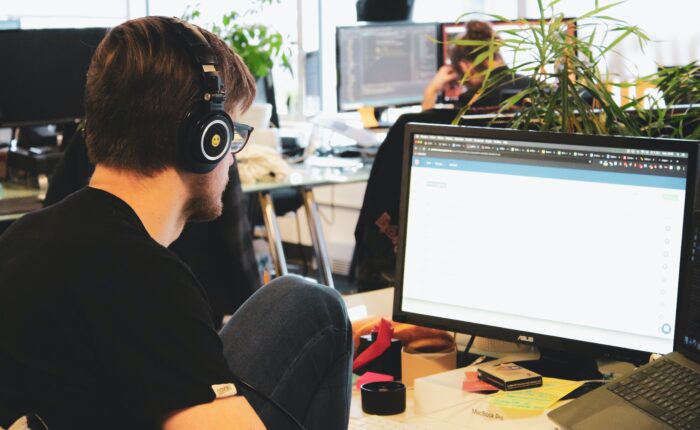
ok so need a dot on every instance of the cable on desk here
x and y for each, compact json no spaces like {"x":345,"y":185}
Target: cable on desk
{"x":468,"y":347}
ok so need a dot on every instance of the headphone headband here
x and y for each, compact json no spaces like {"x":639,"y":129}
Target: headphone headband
{"x":204,"y":59}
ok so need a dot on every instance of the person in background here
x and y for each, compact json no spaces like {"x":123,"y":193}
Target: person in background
{"x":102,"y":326}
{"x":463,"y":59}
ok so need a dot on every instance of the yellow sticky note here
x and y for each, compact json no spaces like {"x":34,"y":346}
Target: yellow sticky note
{"x":539,"y":398}
{"x":367,"y":116}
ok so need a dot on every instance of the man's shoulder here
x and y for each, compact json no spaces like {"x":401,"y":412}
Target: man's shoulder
{"x":90,"y":240}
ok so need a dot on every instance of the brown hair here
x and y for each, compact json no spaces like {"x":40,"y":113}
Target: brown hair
{"x":476,"y":30}
{"x":140,"y":82}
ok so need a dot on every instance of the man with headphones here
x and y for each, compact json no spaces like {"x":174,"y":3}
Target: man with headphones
{"x":100,"y":325}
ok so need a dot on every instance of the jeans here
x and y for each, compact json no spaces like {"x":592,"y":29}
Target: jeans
{"x":292,"y":341}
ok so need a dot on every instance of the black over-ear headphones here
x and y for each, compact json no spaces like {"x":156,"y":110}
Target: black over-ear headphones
{"x":206,"y":130}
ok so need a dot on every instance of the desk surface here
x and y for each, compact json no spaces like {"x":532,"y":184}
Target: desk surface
{"x":306,"y":175}
{"x":447,"y":407}
{"x":461,"y":410}
{"x":472,"y":412}
{"x":14,"y":195}
{"x":302,"y":175}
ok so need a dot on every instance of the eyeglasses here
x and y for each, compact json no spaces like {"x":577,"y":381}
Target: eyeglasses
{"x":241,"y":134}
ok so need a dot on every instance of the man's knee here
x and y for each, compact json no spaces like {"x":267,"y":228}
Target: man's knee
{"x":306,"y":296}
{"x":304,"y":289}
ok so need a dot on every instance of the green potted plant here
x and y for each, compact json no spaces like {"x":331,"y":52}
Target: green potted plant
{"x":258,"y":45}
{"x":569,"y":92}
{"x":668,"y":114}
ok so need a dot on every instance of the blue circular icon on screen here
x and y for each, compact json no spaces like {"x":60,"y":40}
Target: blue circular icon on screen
{"x":666,"y":328}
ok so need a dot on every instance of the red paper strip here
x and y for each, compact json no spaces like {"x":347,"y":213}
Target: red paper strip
{"x":373,"y":377}
{"x":377,"y":347}
{"x":472,"y":383}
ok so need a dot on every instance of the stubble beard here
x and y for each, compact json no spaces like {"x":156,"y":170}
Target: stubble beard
{"x":205,"y":203}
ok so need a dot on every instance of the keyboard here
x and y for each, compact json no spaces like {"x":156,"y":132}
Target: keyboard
{"x":666,"y":390}
{"x":376,"y":422}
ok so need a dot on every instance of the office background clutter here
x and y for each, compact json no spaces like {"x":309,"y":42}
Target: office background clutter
{"x":310,"y":27}
{"x":327,"y":74}
{"x":330,"y":76}
{"x":320,"y":98}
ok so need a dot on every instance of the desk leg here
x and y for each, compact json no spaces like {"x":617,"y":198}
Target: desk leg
{"x":317,"y":238}
{"x":273,"y":233}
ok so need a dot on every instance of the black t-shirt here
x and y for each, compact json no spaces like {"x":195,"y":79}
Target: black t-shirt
{"x":510,"y":84}
{"x":100,"y":326}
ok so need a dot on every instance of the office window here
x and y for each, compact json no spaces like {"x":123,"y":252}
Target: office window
{"x":70,"y":13}
{"x":281,"y":17}
{"x":673,"y":29}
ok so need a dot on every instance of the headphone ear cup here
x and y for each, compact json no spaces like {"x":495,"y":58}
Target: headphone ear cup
{"x":205,"y":139}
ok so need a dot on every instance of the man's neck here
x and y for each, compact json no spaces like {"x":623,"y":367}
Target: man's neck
{"x":158,"y":200}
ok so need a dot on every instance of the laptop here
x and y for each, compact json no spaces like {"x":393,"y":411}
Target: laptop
{"x":664,"y":394}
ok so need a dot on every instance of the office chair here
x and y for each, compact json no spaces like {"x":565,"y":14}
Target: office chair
{"x":374,"y":258}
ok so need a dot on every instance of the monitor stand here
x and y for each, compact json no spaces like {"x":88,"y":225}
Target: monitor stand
{"x":563,"y":365}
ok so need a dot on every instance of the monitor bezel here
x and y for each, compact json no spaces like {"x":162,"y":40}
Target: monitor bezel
{"x":685,"y":299}
{"x":522,"y":337}
{"x":362,"y":25}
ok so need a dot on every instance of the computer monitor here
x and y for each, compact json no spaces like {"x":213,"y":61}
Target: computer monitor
{"x":384,"y":65}
{"x":42,"y":78}
{"x":454,"y":30}
{"x":568,"y":242}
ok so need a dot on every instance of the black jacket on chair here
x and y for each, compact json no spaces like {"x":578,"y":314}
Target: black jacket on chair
{"x":376,"y":233}
{"x":374,"y":259}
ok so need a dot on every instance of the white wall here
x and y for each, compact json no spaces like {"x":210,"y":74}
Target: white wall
{"x":71,"y":13}
{"x":671,"y":25}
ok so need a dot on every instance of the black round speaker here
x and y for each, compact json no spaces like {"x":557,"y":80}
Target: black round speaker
{"x":384,"y":10}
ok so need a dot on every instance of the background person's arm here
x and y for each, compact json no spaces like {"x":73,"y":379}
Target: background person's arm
{"x":221,"y":414}
{"x":442,"y":79}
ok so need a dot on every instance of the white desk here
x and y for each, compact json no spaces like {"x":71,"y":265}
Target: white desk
{"x":469,"y":410}
{"x":473,"y":414}
{"x":472,"y":411}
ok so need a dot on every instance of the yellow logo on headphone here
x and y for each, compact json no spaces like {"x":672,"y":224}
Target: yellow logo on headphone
{"x":215,"y":140}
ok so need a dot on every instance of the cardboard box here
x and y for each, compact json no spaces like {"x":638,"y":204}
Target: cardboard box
{"x":419,"y":364}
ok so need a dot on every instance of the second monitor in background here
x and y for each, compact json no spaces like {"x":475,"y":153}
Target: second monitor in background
{"x":384,"y":65}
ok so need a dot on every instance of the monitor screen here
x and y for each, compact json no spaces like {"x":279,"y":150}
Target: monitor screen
{"x":42,"y":78}
{"x":567,"y":241}
{"x":382,"y":65}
